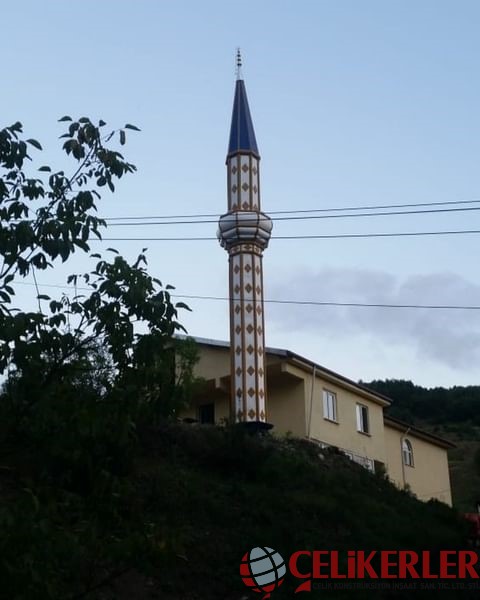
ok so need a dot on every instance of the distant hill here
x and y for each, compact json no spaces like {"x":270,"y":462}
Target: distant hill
{"x":453,"y":413}
{"x":459,"y":404}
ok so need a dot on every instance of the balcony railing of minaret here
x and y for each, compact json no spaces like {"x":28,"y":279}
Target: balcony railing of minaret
{"x":244,"y":227}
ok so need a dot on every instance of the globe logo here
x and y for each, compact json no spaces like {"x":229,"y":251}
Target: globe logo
{"x":262,"y":570}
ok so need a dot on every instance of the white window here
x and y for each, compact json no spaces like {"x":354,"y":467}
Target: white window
{"x":407,"y":452}
{"x":366,"y":463}
{"x":362,"y":419}
{"x":329,"y":405}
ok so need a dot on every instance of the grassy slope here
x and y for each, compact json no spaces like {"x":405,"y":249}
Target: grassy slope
{"x":220,"y":494}
{"x":210,"y":495}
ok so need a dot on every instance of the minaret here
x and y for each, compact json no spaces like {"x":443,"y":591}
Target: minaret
{"x":244,"y":231}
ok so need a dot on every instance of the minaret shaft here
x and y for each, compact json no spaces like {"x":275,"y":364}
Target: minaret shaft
{"x":244,"y":231}
{"x":247,"y":334}
{"x":243,"y":181}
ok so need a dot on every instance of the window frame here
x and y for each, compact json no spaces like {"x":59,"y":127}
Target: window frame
{"x":362,"y":418}
{"x":407,"y":453}
{"x":328,"y":395}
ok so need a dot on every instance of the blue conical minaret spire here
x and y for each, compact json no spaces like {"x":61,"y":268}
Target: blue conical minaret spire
{"x":242,"y":133}
{"x":244,"y":231}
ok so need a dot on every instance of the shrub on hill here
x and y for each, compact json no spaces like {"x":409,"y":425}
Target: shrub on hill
{"x":193,"y":500}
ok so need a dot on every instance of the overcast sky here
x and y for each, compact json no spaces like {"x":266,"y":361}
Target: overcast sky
{"x":354,"y":103}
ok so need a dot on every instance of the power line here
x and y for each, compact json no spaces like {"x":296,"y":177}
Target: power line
{"x":199,"y":219}
{"x":307,"y":217}
{"x":314,"y":210}
{"x":293,"y":302}
{"x":346,"y":304}
{"x":54,"y":285}
{"x":298,"y":237}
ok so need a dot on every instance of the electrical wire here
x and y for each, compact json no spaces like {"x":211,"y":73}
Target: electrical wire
{"x":300,"y":211}
{"x":340,"y":304}
{"x":307,"y":217}
{"x":293,"y":302}
{"x":297,"y":237}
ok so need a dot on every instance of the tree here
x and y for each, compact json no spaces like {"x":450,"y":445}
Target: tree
{"x":64,"y":221}
{"x":82,"y":377}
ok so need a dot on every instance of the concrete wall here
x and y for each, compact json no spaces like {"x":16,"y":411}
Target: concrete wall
{"x":285,"y":403}
{"x":286,"y":406}
{"x":429,"y":476}
{"x":213,"y":362}
{"x":343,"y":433}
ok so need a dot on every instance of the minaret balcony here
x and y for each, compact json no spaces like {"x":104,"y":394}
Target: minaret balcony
{"x":244,"y":227}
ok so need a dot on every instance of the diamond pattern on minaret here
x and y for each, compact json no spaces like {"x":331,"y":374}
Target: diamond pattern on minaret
{"x":244,"y":231}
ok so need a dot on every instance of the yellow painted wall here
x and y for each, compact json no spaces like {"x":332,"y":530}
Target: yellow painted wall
{"x":286,"y":406}
{"x":429,"y":477}
{"x":222,"y":409}
{"x":344,"y":432}
{"x":213,"y":362}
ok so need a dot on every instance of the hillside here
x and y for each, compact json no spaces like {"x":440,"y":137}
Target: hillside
{"x":439,"y":405}
{"x":195,"y":499}
{"x":451,"y":413}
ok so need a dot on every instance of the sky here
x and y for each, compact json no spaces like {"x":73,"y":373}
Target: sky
{"x":354,"y":104}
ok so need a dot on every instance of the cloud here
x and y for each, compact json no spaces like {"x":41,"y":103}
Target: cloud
{"x":448,"y":337}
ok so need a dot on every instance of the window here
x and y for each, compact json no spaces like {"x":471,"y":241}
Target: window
{"x":362,"y":419}
{"x":407,"y":452}
{"x":206,"y":414}
{"x":366,"y":463}
{"x":329,"y":405}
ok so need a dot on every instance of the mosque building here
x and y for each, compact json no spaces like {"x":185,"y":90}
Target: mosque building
{"x":249,"y":383}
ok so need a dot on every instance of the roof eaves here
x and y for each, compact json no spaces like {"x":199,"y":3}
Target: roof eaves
{"x":416,"y":431}
{"x":341,"y":378}
{"x":288,"y":354}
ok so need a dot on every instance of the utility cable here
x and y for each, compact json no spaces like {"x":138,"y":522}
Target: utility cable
{"x":294,"y":302}
{"x":306,"y":217}
{"x":300,"y":211}
{"x":298,"y":237}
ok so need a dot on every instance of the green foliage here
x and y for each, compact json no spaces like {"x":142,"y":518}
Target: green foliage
{"x":42,"y":222}
{"x":411,"y":402}
{"x":83,"y":374}
{"x":78,"y":448}
{"x":195,"y":499}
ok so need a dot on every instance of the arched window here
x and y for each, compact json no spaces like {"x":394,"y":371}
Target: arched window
{"x":407,"y":451}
